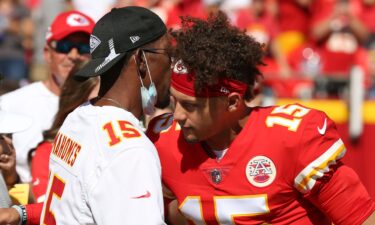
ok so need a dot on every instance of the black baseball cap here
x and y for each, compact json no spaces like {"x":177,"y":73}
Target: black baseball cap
{"x":119,"y":32}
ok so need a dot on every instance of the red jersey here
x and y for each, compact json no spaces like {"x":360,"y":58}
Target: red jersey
{"x":40,"y":170}
{"x":282,"y":168}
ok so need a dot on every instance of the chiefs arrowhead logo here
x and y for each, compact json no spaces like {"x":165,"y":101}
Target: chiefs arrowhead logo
{"x":180,"y":68}
{"x":75,"y":20}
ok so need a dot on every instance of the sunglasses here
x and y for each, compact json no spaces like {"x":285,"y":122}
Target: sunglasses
{"x":162,"y":51}
{"x":65,"y":46}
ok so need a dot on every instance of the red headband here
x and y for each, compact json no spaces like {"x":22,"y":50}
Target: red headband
{"x":183,"y":81}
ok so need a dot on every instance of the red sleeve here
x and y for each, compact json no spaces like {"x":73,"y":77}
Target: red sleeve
{"x":40,"y":170}
{"x":323,"y":179}
{"x":34,"y":212}
{"x":343,"y":197}
{"x":320,"y":148}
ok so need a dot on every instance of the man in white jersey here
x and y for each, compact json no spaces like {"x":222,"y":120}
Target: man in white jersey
{"x":103,"y":168}
{"x":67,"y":44}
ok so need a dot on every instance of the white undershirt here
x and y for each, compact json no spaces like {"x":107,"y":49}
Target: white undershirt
{"x":220,"y":153}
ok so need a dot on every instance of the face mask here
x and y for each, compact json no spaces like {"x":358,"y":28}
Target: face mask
{"x":149,"y":96}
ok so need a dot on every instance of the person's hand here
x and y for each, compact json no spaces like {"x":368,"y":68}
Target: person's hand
{"x":9,"y":216}
{"x":8,"y":161}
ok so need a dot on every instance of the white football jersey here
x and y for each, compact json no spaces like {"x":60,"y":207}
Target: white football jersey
{"x":103,"y":170}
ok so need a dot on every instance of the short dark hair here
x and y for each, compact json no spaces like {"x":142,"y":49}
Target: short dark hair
{"x":213,"y":48}
{"x":109,"y":77}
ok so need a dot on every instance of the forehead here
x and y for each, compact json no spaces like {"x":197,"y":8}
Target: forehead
{"x":163,"y":42}
{"x":213,"y":104}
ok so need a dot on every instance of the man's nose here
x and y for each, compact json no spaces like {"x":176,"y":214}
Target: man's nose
{"x":73,"y":53}
{"x":178,"y":113}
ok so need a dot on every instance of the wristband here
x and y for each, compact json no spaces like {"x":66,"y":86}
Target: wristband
{"x":22,"y":213}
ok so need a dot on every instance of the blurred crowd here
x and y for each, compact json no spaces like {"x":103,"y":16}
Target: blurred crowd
{"x":311,"y":46}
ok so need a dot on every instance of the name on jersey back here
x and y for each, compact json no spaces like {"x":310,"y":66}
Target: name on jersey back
{"x":65,"y":148}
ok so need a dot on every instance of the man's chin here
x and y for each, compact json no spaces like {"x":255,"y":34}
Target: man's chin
{"x":190,"y":139}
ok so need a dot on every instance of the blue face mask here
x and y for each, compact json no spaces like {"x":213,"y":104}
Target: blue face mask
{"x":149,"y":96}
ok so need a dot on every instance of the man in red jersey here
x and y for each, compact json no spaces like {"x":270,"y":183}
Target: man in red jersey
{"x":226,"y":163}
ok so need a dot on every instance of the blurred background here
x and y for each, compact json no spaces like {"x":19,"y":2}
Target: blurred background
{"x":320,"y":53}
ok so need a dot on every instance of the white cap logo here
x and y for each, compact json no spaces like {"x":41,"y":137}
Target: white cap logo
{"x":77,"y":20}
{"x":260,"y":171}
{"x":134,"y":39}
{"x":112,"y":55}
{"x":94,"y":42}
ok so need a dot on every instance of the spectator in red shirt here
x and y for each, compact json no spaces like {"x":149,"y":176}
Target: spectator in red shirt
{"x":171,"y":10}
{"x":260,"y":23}
{"x":365,"y":11}
{"x":293,"y":17}
{"x":338,"y":34}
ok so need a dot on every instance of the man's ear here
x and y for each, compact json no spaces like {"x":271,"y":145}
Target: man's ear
{"x":234,"y":100}
{"x":140,"y":63}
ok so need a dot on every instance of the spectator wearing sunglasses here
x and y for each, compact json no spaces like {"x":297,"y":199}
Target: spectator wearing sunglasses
{"x":67,"y":45}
